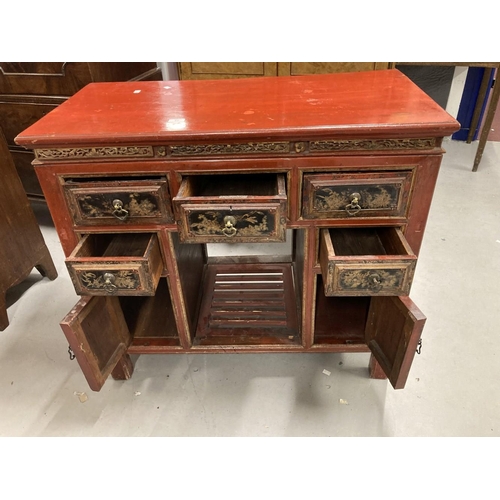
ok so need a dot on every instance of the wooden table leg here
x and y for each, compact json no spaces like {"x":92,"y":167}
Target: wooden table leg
{"x":487,"y":123}
{"x":375,"y":369}
{"x":124,"y":368}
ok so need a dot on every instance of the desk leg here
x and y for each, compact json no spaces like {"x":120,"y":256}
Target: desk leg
{"x":123,"y":369}
{"x":487,"y":123}
{"x":375,"y":369}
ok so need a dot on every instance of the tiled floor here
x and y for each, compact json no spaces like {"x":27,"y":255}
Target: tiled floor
{"x":453,"y":388}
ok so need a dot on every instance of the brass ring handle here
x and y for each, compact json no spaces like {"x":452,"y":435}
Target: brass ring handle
{"x":229,"y":230}
{"x":118,"y":211}
{"x":353,"y":208}
{"x":375,"y":282}
{"x":109,"y":282}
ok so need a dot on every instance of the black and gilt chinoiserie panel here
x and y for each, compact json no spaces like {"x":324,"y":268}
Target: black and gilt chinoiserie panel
{"x":356,"y":195}
{"x":136,"y":201}
{"x":237,"y":223}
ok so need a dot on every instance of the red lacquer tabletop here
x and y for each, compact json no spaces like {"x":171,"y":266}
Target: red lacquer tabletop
{"x":367,"y":104}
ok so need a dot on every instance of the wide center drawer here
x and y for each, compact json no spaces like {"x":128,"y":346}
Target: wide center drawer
{"x":227,"y":208}
{"x":356,"y":195}
{"x":366,"y":261}
{"x":116,"y":264}
{"x":122,"y":201}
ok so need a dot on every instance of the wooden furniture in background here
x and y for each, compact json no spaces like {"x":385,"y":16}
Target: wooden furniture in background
{"x":331,"y":175}
{"x":215,"y":70}
{"x":21,"y":242}
{"x":29,"y":90}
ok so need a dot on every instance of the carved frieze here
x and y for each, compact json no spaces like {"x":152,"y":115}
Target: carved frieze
{"x":371,"y":144}
{"x":230,"y":149}
{"x":99,"y":152}
{"x":192,"y":150}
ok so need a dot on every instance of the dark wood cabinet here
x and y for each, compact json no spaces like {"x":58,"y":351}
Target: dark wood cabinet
{"x":22,"y":246}
{"x":280,"y":214}
{"x":30,"y":90}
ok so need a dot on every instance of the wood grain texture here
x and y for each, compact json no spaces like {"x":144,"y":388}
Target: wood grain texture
{"x":22,"y":246}
{"x":29,"y":90}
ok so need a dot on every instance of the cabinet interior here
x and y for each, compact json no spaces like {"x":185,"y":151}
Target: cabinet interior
{"x":366,"y":241}
{"x":340,"y":320}
{"x":150,"y":320}
{"x":222,"y":185}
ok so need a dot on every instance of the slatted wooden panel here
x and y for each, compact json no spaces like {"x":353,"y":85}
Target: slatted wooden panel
{"x":249,"y":304}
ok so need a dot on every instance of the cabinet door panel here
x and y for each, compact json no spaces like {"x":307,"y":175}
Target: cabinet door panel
{"x":214,"y":70}
{"x":98,"y":335}
{"x":392,"y":332}
{"x":312,"y":68}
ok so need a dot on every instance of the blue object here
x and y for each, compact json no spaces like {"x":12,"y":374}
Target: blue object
{"x":468,"y":103}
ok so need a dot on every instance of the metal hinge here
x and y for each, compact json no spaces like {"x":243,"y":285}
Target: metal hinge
{"x":71,"y":353}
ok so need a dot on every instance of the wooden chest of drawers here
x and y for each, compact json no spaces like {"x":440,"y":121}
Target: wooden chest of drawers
{"x":338,"y":169}
{"x":30,"y":90}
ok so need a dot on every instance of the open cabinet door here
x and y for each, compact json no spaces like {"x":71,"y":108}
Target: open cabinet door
{"x":392,"y":333}
{"x":98,"y":335}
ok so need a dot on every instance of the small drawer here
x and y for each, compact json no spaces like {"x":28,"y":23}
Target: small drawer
{"x":366,"y":261}
{"x":102,"y":202}
{"x":356,"y":195}
{"x":230,"y":208}
{"x":116,"y":264}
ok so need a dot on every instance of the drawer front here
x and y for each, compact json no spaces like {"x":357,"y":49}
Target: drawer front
{"x":232,"y":208}
{"x":117,"y":274}
{"x":370,"y":278}
{"x":232,"y":223}
{"x":122,"y":202}
{"x":390,"y":273}
{"x":356,"y":195}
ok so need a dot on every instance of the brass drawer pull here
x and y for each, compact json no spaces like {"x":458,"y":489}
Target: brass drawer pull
{"x":109,"y":282}
{"x":229,"y":223}
{"x":119,"y":212}
{"x":353,"y":208}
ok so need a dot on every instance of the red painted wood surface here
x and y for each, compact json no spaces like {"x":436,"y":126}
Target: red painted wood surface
{"x":363,"y":104}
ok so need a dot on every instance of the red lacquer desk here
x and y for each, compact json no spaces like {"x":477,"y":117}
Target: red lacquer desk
{"x":255,"y":215}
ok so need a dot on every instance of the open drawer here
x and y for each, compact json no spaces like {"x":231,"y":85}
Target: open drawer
{"x":226,"y":208}
{"x":116,"y":264}
{"x":366,"y":261}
